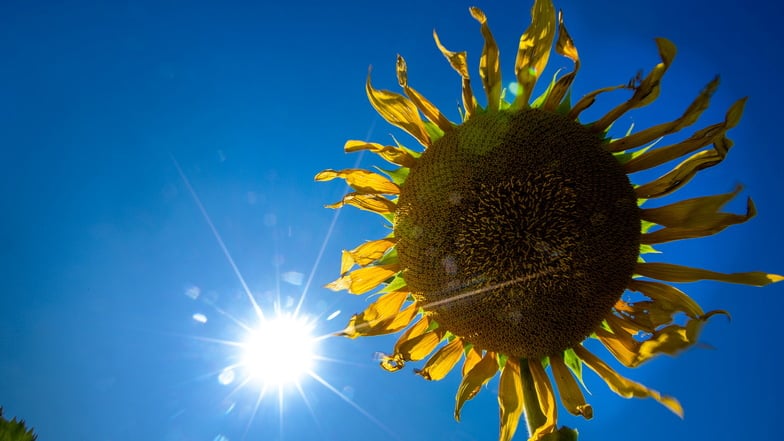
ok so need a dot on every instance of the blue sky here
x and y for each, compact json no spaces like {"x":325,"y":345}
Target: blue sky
{"x":104,"y":247}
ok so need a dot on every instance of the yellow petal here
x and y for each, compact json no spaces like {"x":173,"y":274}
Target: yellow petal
{"x":714,"y":134}
{"x":366,"y":253}
{"x":623,"y":386}
{"x":419,"y":347}
{"x":674,"y":338}
{"x":544,"y":391}
{"x":473,"y":356}
{"x":392,"y":154}
{"x":442,"y":361}
{"x":681,"y":174}
{"x":510,"y":399}
{"x":427,"y":108}
{"x":571,"y":395}
{"x":369,"y":202}
{"x":645,"y":92}
{"x":398,"y":111}
{"x":712,"y":225}
{"x":474,"y":379}
{"x":688,"y":118}
{"x":458,"y":62}
{"x":533,"y":52}
{"x":617,"y":344}
{"x":667,"y":296}
{"x":676,"y":273}
{"x":363,"y":181}
{"x":382,"y":317}
{"x":489,"y":66}
{"x":564,"y":46}
{"x":365,"y":279}
{"x":396,"y":360}
{"x":587,"y":100}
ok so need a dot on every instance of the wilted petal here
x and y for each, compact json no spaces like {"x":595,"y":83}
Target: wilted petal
{"x":458,"y":62}
{"x":474,"y":379}
{"x":365,"y":279}
{"x":363,"y":181}
{"x":510,"y":399}
{"x":489,"y":66}
{"x":681,"y":174}
{"x":533,"y":52}
{"x":564,"y":46}
{"x":366,"y":253}
{"x":689,"y":117}
{"x":571,"y":395}
{"x":427,"y":108}
{"x":369,"y":202}
{"x":442,"y":361}
{"x":398,"y":111}
{"x":382,"y":317}
{"x":623,"y":386}
{"x":392,"y":154}
{"x":676,"y":273}
{"x":544,"y":391}
{"x":667,"y":296}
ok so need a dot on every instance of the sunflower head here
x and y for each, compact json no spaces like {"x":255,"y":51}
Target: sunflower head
{"x":516,"y":231}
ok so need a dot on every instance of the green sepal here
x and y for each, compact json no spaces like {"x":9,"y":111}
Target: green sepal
{"x":398,"y":175}
{"x":647,"y":249}
{"x":396,"y":284}
{"x":566,"y":104}
{"x":501,"y":358}
{"x":575,"y":365}
{"x":433,"y":131}
{"x":541,"y":98}
{"x":388,"y":258}
{"x":625,"y":156}
{"x":15,"y":430}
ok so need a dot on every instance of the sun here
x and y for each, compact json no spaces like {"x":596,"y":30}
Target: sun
{"x":279,"y":351}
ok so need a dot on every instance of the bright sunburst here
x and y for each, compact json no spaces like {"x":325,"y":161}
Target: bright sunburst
{"x":279,"y":351}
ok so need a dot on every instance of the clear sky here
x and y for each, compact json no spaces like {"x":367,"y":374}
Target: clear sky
{"x":117,"y":293}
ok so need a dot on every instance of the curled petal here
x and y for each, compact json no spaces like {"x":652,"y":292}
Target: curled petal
{"x":458,"y":62}
{"x":544,"y":391}
{"x":667,"y":296}
{"x":442,"y":361}
{"x":365,"y":279}
{"x":366,"y":253}
{"x":382,"y":317}
{"x":681,"y":174}
{"x":427,"y":108}
{"x":392,"y":154}
{"x":623,"y":386}
{"x":489,"y":66}
{"x":715,"y":134}
{"x":564,"y":46}
{"x":369,"y":202}
{"x":645,"y":92}
{"x":474,"y":379}
{"x":363,"y":181}
{"x":689,"y":117}
{"x":398,"y":111}
{"x":510,"y":399}
{"x":571,"y":395}
{"x":533,"y":52}
{"x":676,"y":273}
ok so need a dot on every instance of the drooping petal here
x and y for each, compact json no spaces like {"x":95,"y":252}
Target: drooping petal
{"x":382,"y":317}
{"x":419,"y":347}
{"x":366,"y":253}
{"x":665,"y":295}
{"x":689,"y":117}
{"x":364,"y":279}
{"x":644,"y":93}
{"x":681,"y":174}
{"x":392,"y":154}
{"x":571,"y":395}
{"x":369,"y":202}
{"x":474,"y":379}
{"x":714,"y":134}
{"x":510,"y":398}
{"x":363,"y":181}
{"x":544,"y":391}
{"x":710,"y":225}
{"x":458,"y":62}
{"x":623,"y":386}
{"x":677,"y":273}
{"x":398,"y":111}
{"x":533,"y":52}
{"x":588,"y":99}
{"x":427,"y":108}
{"x":673,"y":338}
{"x":396,"y":360}
{"x":564,"y":46}
{"x":472,"y":357}
{"x":489,"y":65}
{"x":442,"y":361}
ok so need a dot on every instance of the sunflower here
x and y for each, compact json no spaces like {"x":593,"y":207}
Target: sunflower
{"x":516,"y":234}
